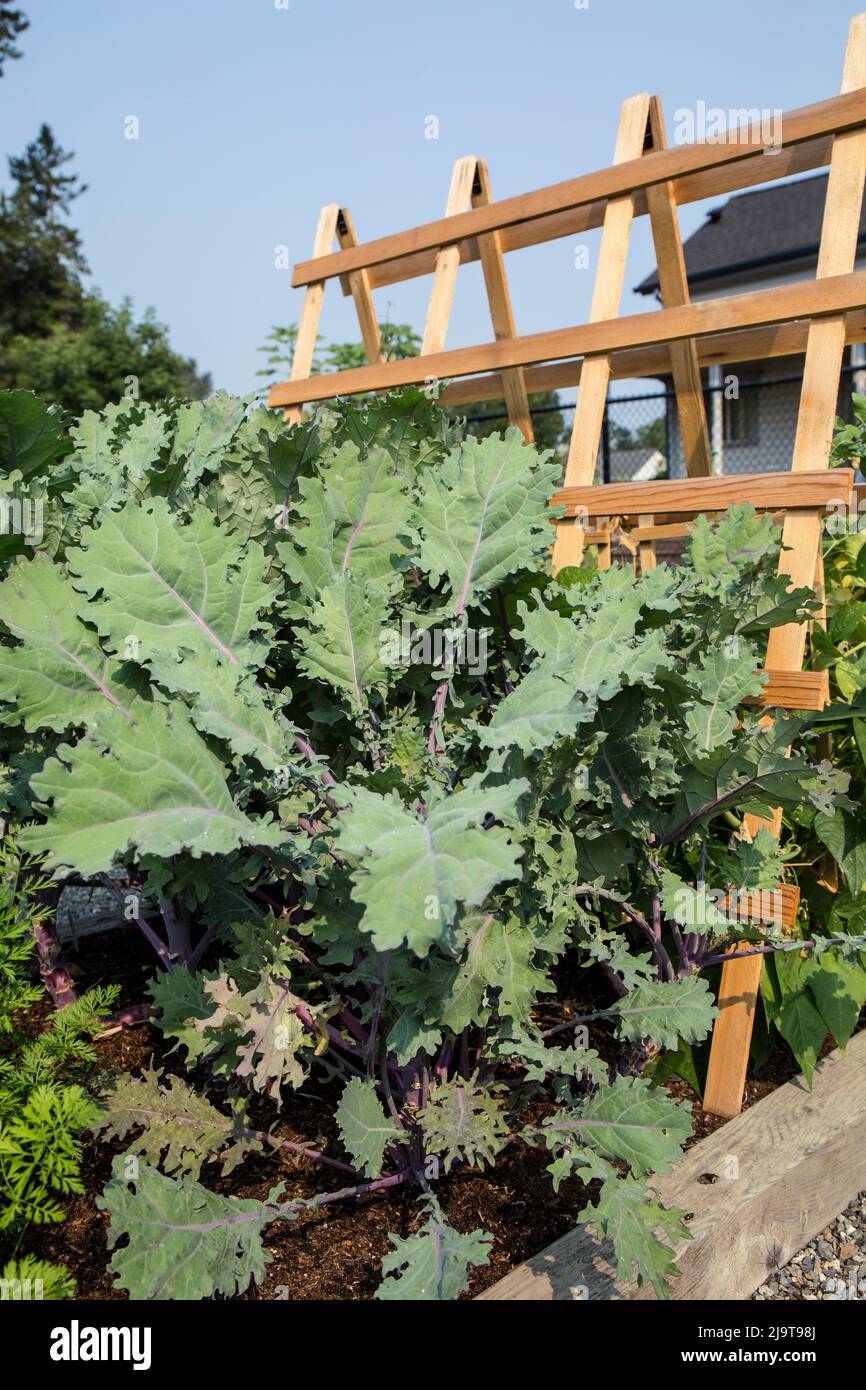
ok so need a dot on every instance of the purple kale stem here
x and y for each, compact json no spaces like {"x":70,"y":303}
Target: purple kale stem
{"x":796,"y":945}
{"x":53,"y":973}
{"x":315,"y":1154}
{"x":287,"y":1209}
{"x":385,"y":1088}
{"x":147,"y":931}
{"x":662,"y":959}
{"x":619,"y":985}
{"x":202,"y":946}
{"x":377,"y":1013}
{"x":709,"y":809}
{"x":354,"y":1027}
{"x":127,"y":1018}
{"x":443,"y":1061}
{"x":176,"y":929}
{"x":307,"y":749}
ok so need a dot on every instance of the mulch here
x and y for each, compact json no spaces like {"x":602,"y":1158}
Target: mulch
{"x":335,"y":1254}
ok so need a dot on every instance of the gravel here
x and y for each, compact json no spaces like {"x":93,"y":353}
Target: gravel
{"x":832,"y":1266}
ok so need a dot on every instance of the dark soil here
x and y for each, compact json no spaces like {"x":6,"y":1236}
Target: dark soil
{"x":336,"y":1253}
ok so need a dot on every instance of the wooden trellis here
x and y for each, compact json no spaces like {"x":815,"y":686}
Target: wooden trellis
{"x":817,"y":317}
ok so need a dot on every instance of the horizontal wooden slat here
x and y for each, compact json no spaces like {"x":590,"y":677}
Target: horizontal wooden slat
{"x":692,"y":496}
{"x":748,"y":345}
{"x":772,"y":907}
{"x":693,"y":188}
{"x":794,"y":690}
{"x":837,"y":114}
{"x":807,"y":299}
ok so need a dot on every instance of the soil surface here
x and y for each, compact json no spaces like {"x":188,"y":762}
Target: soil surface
{"x":337,"y":1252}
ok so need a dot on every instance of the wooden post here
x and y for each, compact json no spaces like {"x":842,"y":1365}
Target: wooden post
{"x":308,"y":325}
{"x":501,"y":312}
{"x":448,"y":260}
{"x":607,"y":294}
{"x":359,"y":284}
{"x":674,"y":289}
{"x":732,"y":1035}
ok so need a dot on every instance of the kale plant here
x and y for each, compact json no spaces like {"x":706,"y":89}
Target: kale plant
{"x":309,"y":701}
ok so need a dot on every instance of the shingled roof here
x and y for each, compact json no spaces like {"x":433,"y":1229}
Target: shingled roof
{"x":770,"y":227}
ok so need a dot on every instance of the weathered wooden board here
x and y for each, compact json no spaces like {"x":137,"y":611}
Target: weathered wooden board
{"x":782,"y":1170}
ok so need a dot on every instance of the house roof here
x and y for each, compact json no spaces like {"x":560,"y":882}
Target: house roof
{"x":766,"y":228}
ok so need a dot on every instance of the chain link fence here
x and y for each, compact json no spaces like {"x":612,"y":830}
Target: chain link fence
{"x":752,"y":422}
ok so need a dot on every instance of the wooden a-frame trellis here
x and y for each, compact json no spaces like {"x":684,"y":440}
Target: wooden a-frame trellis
{"x":817,"y":318}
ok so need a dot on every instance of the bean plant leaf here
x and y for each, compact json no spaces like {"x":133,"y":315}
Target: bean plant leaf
{"x":839,"y":990}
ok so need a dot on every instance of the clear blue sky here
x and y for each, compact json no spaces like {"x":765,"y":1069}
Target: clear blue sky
{"x":252,"y":116}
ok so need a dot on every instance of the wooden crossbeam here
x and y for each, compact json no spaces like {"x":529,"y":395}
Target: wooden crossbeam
{"x":803,"y":300}
{"x":738,"y":992}
{"x":749,"y":345}
{"x":824,"y":118}
{"x":820,"y":488}
{"x":691,"y":188}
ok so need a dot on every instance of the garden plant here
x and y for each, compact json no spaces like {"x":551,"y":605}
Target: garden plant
{"x":308,"y":701}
